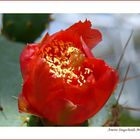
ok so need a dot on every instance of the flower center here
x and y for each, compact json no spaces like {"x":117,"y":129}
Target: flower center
{"x":66,"y":61}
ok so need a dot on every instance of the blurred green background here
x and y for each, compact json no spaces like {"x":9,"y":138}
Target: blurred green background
{"x":16,"y":30}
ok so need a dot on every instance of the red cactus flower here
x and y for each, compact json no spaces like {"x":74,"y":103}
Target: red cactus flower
{"x":62,"y":81}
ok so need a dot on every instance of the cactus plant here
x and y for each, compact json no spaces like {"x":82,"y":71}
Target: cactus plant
{"x":24,"y":27}
{"x":10,"y":82}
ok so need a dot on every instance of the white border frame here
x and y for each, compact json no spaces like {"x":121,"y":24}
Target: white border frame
{"x":70,"y":132}
{"x":69,"y":7}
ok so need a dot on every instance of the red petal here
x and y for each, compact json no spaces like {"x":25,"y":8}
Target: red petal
{"x":79,"y":30}
{"x":59,"y":111}
{"x":90,"y":36}
{"x":93,"y":97}
{"x":26,"y":58}
{"x":106,"y":82}
{"x":68,"y":105}
{"x":44,"y":40}
{"x":41,"y":87}
{"x":22,"y":104}
{"x":86,"y":48}
{"x":25,"y":106}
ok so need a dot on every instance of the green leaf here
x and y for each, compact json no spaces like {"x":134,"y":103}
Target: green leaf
{"x":10,"y":82}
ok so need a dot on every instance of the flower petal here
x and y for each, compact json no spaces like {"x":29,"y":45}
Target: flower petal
{"x":106,"y":82}
{"x":90,"y":36}
{"x":41,"y":87}
{"x":59,"y":111}
{"x":79,"y":30}
{"x":26,"y":58}
{"x":92,"y":97}
{"x":25,"y":106}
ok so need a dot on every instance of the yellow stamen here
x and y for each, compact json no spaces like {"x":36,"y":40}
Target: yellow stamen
{"x":65,"y":61}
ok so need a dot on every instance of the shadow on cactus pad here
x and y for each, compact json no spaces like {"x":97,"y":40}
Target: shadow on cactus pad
{"x":24,"y":27}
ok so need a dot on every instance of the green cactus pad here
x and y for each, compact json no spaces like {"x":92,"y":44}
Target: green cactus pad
{"x":36,"y":121}
{"x":10,"y":83}
{"x":24,"y":27}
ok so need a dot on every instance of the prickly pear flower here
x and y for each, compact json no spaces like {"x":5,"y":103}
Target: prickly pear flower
{"x":62,"y":81}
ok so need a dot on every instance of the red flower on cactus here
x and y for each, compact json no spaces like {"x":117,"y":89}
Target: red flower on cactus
{"x":62,"y":81}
